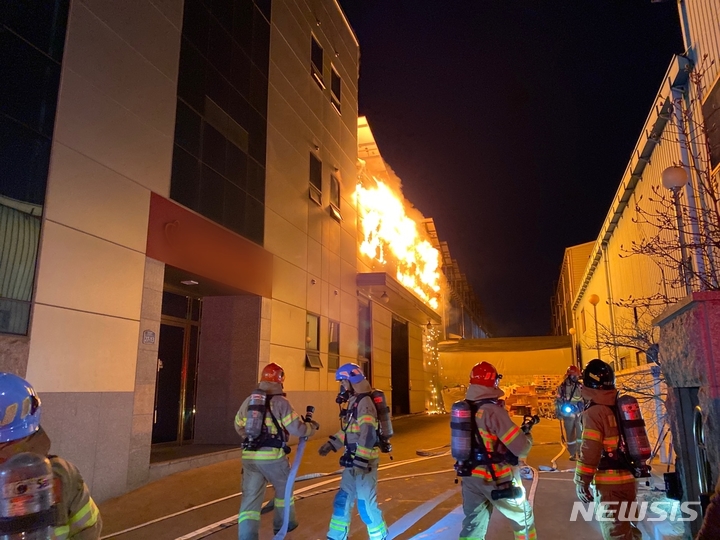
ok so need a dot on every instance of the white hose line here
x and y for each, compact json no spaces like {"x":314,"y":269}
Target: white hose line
{"x":533,"y":486}
{"x":233,"y":519}
{"x":553,"y":461}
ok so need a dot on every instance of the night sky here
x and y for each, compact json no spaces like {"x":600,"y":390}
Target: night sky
{"x":510,"y":123}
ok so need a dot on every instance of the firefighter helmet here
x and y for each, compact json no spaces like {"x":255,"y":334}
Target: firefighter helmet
{"x":19,"y":408}
{"x":273,"y":373}
{"x":350,"y":372}
{"x":599,"y":375}
{"x":573,"y":371}
{"x":485,"y":374}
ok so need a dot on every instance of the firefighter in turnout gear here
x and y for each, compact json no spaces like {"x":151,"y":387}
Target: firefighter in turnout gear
{"x":76,"y":516}
{"x":264,"y":456}
{"x":495,"y":483}
{"x":358,"y":439}
{"x":568,"y":406}
{"x":600,"y":462}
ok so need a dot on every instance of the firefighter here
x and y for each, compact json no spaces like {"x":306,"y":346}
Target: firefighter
{"x":504,"y":443}
{"x":266,"y":459}
{"x":568,"y":405}
{"x":76,"y":515}
{"x":358,"y":437}
{"x":599,"y":462}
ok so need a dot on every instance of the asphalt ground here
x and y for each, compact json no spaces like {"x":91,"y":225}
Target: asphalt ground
{"x":416,"y":497}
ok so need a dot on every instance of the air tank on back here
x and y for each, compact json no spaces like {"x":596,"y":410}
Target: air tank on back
{"x":633,"y":425}
{"x":383,"y":413}
{"x":255,"y":415}
{"x":461,"y":430}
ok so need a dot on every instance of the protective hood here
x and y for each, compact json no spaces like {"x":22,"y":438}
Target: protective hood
{"x":271,"y":388}
{"x":363,"y":387}
{"x":37,"y":443}
{"x":601,"y":397}
{"x":476,"y":392}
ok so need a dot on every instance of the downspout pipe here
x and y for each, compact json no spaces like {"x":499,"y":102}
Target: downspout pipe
{"x":611,"y":307}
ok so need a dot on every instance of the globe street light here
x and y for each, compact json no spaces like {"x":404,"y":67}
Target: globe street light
{"x":675,"y":178}
{"x":594,"y":300}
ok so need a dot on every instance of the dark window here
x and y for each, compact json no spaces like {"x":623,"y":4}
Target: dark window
{"x":185,"y":185}
{"x":312,"y":332}
{"x":39,"y":22}
{"x":315,"y":179}
{"x":711,"y":113}
{"x":335,"y":197}
{"x":234,"y":208}
{"x":254,"y":220}
{"x":335,"y":88}
{"x":212,"y":191}
{"x":174,"y":305}
{"x":316,"y":62}
{"x":333,"y":345}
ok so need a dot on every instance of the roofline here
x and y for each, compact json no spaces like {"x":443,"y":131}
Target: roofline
{"x":660,"y":114}
{"x":347,"y":23}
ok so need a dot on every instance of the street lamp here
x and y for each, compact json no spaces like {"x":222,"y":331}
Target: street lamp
{"x":571,"y":331}
{"x":675,"y":178}
{"x":594,"y":300}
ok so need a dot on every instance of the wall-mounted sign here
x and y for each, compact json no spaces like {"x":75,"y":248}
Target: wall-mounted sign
{"x":148,"y":337}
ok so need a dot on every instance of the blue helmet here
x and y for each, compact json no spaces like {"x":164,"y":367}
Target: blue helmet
{"x":350,"y":372}
{"x":19,"y":408}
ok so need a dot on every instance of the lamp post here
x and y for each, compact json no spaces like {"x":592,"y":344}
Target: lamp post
{"x":571,"y":331}
{"x":675,"y":178}
{"x":594,"y":300}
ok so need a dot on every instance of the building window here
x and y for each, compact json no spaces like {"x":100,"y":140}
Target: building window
{"x":312,"y":340}
{"x":316,"y":63}
{"x":711,"y":114}
{"x":315,"y":179}
{"x":335,"y":197}
{"x":335,"y":85}
{"x":334,"y":346}
{"x":640,"y":358}
{"x":623,"y":362}
{"x":583,"y":327}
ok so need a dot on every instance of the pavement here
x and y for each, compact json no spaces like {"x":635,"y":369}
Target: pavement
{"x":418,"y":496}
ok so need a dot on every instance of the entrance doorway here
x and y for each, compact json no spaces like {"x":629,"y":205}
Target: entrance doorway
{"x":400,"y":367}
{"x":176,"y":388}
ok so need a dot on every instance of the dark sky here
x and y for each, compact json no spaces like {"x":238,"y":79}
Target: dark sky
{"x":510,"y":123}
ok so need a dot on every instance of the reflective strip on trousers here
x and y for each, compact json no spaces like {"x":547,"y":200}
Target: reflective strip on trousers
{"x":280,"y":503}
{"x":339,"y":524}
{"x":531,"y":535}
{"x":265,"y":454}
{"x":248,"y":514}
{"x":377,"y":533}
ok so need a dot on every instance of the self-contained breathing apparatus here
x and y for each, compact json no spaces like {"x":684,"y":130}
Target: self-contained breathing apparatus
{"x":257,"y":435}
{"x":347,"y":414}
{"x":27,"y":498}
{"x":634,"y":448}
{"x":469,"y":450}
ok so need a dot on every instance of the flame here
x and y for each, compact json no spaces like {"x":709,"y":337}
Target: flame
{"x":389,"y":231}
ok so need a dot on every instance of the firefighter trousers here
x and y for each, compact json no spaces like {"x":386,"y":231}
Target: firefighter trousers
{"x":363,"y":487}
{"x":256,"y":475}
{"x":573,"y":432}
{"x":620,"y":528}
{"x":478,"y":507}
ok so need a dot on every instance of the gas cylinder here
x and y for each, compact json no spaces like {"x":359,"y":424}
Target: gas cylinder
{"x":255,"y":416}
{"x":633,"y":426}
{"x":383,"y":413}
{"x":27,"y":498}
{"x":461,"y":425}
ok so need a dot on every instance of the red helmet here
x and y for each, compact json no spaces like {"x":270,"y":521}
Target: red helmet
{"x":573,"y":370}
{"x":273,"y":373}
{"x":485,"y":374}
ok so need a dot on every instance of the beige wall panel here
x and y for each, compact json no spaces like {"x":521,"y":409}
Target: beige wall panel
{"x":349,"y":342}
{"x":105,"y":131}
{"x":72,"y":351}
{"x":284,"y":240}
{"x":312,"y":379}
{"x":316,"y":216}
{"x":333,"y":267}
{"x":288,"y":155}
{"x":286,"y":200}
{"x":348,"y":247}
{"x":381,"y":315}
{"x":382,"y":336}
{"x":82,"y":272}
{"x":348,"y":276}
{"x":417,"y":401}
{"x":314,"y":295}
{"x":292,"y":361}
{"x":289,"y":283}
{"x":84,"y":195}
{"x":333,"y":302}
{"x":348,"y":308}
{"x":331,"y":238}
{"x":287,"y":325}
{"x":415,"y":332}
{"x":146,"y":27}
{"x":283,"y":116}
{"x":119,"y":72}
{"x":325,"y":300}
{"x":314,"y":257}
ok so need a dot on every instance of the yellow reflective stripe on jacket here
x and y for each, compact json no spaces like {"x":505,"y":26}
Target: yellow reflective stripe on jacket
{"x":614,"y":476}
{"x":366,"y":419}
{"x":581,"y":468}
{"x":289,"y":418}
{"x":84,"y":518}
{"x":363,"y":452}
{"x":239,"y":420}
{"x":510,"y":435}
{"x":591,"y":435}
{"x":264,"y":454}
{"x":61,"y":533}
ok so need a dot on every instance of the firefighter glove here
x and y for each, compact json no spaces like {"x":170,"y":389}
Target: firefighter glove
{"x":314,"y":424}
{"x":584,"y":493}
{"x":326,"y":448}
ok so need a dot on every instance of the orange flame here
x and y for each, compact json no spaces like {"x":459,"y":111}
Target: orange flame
{"x":387,"y":228}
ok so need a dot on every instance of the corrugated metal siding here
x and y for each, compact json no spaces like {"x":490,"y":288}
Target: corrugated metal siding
{"x":19,"y":235}
{"x":704,"y":23}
